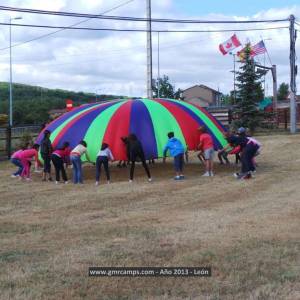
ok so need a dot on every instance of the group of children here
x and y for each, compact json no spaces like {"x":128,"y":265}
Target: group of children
{"x":244,"y":147}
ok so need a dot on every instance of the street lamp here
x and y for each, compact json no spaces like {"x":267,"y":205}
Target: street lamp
{"x":10,"y":72}
{"x":96,"y":93}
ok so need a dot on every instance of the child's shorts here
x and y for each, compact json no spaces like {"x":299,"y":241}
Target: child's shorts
{"x":209,"y":154}
{"x":178,"y":162}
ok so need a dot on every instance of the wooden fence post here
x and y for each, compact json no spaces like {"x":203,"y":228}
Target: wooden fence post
{"x":285,"y":119}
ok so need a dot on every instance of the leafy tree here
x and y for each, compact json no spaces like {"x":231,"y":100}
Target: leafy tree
{"x":249,"y":93}
{"x":166,"y":89}
{"x":228,"y":99}
{"x":283,"y":91}
{"x":178,"y":94}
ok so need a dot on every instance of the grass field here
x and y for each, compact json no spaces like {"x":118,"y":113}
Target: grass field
{"x":247,"y":231}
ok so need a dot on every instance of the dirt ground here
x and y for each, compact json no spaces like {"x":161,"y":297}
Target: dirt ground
{"x":247,"y":231}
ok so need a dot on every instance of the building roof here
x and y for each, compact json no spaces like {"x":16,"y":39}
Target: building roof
{"x":204,"y":87}
{"x":208,"y":88}
{"x":286,"y":104}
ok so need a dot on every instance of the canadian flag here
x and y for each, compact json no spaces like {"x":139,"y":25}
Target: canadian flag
{"x":229,"y":45}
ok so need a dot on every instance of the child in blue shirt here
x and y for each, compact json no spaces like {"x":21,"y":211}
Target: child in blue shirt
{"x":176,"y":150}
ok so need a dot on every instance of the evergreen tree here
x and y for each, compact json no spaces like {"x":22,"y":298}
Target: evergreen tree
{"x":249,"y":93}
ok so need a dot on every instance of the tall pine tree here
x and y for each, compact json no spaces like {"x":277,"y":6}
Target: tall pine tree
{"x":249,"y":93}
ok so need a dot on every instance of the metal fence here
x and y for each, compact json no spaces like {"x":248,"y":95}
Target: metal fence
{"x":16,"y":134}
{"x":20,"y":130}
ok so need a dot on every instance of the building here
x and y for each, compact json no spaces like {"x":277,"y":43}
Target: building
{"x":55,"y":113}
{"x":202,"y":95}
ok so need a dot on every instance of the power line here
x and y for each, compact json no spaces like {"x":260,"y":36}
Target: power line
{"x":113,"y":52}
{"x":123,"y":18}
{"x":118,"y":51}
{"x":167,"y":46}
{"x":62,"y":29}
{"x":139,"y":30}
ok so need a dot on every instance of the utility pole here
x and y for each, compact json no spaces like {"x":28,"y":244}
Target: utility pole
{"x":293,"y":108}
{"x":9,"y":145}
{"x":158,"y":71}
{"x":274,"y":76}
{"x":149,"y":51}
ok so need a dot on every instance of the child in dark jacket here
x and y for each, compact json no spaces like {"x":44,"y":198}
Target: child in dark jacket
{"x":46,"y":151}
{"x":135,"y":153}
{"x":58,"y":158}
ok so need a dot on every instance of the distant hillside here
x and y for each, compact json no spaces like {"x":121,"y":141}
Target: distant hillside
{"x":32,"y":103}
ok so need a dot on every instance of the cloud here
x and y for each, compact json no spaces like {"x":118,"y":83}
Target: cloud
{"x":115,"y":62}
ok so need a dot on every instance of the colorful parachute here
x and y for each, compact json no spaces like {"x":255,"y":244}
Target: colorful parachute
{"x":149,"y":119}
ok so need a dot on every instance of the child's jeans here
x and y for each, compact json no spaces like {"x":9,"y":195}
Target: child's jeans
{"x":77,"y":169}
{"x":17,"y":163}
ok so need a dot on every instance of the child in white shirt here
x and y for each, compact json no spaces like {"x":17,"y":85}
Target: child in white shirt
{"x":103,"y":157}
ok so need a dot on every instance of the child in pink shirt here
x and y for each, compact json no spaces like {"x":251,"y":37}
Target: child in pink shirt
{"x":26,"y":157}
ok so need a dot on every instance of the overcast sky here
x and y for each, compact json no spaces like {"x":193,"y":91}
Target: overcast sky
{"x":115,"y":62}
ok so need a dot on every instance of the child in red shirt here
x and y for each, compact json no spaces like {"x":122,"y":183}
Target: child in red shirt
{"x":206,"y":145}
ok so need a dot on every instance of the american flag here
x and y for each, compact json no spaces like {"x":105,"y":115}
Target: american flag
{"x":259,"y":48}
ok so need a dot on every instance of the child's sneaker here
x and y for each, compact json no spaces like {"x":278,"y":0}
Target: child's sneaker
{"x":150,"y":179}
{"x":181,"y":176}
{"x":67,"y":182}
{"x":206,"y":174}
{"x":28,"y":179}
{"x":108,"y":182}
{"x":13,"y":176}
{"x":130,"y":181}
{"x":56,"y":182}
{"x":96,"y":183}
{"x":211,"y":174}
{"x":177,"y":178}
{"x":247,"y":176}
{"x":236,"y":175}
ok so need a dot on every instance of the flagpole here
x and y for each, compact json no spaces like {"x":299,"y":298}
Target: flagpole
{"x":234,"y":78}
{"x":234,"y":92}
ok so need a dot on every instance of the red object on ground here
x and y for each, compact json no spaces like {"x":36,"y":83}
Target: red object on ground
{"x":69,"y":104}
{"x":235,"y":150}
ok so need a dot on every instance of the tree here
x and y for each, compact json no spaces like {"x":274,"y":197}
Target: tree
{"x":31,"y":104}
{"x":283,"y":91}
{"x":166,"y":89}
{"x":228,"y":99}
{"x":249,"y":93}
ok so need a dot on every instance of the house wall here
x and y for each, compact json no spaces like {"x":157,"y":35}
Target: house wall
{"x":199,"y":95}
{"x":197,"y":101}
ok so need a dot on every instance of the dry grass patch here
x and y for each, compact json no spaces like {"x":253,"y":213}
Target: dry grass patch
{"x":247,"y":231}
